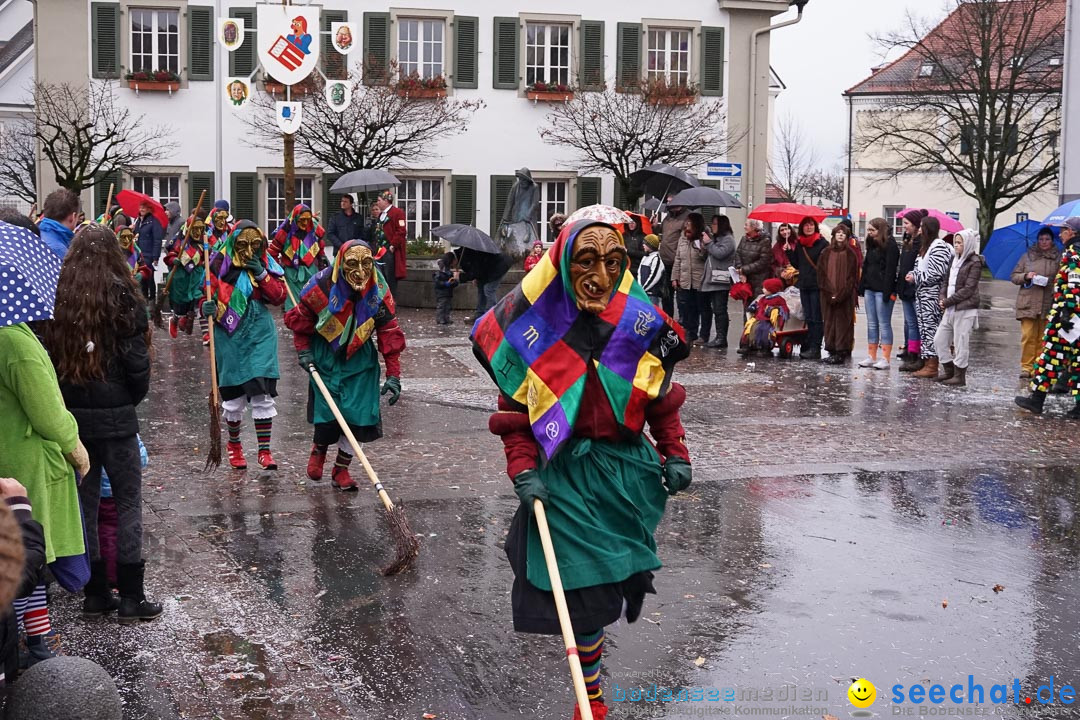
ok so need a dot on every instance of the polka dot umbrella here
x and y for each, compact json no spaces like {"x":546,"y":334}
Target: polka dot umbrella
{"x":29,"y":272}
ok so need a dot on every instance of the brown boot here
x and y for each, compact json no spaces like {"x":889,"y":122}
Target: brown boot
{"x":957,"y":380}
{"x":947,"y":372}
{"x":930,"y":369}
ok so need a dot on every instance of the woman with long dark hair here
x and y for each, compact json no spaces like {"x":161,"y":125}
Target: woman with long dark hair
{"x":909,"y":255}
{"x":931,"y":270}
{"x":783,"y":250}
{"x":716,"y":280}
{"x":878,"y":288}
{"x":695,"y":312}
{"x":99,"y":342}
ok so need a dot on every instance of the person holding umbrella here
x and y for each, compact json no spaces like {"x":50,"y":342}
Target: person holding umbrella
{"x":341,"y":324}
{"x":671,"y":233}
{"x":1035,"y":275}
{"x":149,"y":233}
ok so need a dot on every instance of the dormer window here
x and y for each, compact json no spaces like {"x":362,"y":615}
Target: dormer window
{"x":926,"y":70}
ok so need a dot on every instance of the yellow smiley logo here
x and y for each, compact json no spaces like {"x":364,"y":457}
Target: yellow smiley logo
{"x":862,"y":693}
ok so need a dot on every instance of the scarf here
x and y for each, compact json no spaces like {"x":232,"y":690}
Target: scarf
{"x":232,"y":286}
{"x":299,"y":248}
{"x":538,"y":347}
{"x":347,"y":316}
{"x":808,"y":241}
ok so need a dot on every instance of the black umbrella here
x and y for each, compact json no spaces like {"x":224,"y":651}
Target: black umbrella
{"x":361,"y":181}
{"x":660,"y":179}
{"x":467,"y":236}
{"x":704,"y":197}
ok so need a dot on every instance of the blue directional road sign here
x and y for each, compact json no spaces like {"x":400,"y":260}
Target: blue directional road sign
{"x":724,"y":169}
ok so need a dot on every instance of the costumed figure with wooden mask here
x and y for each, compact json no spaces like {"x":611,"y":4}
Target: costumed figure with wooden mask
{"x":188,"y":272}
{"x":299,"y":247}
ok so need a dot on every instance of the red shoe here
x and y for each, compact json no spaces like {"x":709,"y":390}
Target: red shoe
{"x":206,"y":338}
{"x":599,"y":710}
{"x":315,"y":463}
{"x":173,"y":326}
{"x":342,"y":480}
{"x":236,"y":456}
{"x":185,"y":324}
{"x":267,"y":460}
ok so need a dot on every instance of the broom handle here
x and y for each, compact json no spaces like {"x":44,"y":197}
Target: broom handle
{"x":108,"y":202}
{"x":564,"y":615}
{"x":210,"y":320}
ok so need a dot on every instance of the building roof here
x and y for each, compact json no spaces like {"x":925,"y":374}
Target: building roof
{"x":903,"y":75}
{"x":13,"y":49}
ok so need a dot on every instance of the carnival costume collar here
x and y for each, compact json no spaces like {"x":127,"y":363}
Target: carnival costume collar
{"x":346,"y":316}
{"x":297,"y":247}
{"x":233,"y":285}
{"x":538,"y":347}
{"x":188,"y":249}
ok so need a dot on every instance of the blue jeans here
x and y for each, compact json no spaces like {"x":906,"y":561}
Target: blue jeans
{"x":485,"y":296}
{"x":911,"y":323}
{"x":878,"y":318}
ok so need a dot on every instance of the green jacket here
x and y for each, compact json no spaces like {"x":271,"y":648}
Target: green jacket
{"x":36,"y":431}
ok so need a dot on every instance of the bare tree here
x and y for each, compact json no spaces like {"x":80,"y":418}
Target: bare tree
{"x":380,"y":127}
{"x":83,"y":132}
{"x":18,"y":176}
{"x":794,"y":161}
{"x":827,"y":185}
{"x":619,"y":132}
{"x":981,"y":102}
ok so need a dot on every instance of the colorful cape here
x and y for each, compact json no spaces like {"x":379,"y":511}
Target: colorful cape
{"x":232,"y":286}
{"x":187,"y":250}
{"x":297,"y":250}
{"x":345,"y":314}
{"x":134,"y":257}
{"x":538,"y":347}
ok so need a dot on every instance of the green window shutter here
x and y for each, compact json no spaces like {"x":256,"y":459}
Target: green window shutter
{"x":376,"y":48}
{"x":331,"y":201}
{"x":197,"y":182}
{"x":506,"y":53}
{"x":466,"y":52}
{"x":592,"y":55}
{"x":712,"y":61}
{"x":200,"y":42}
{"x":500,"y":193}
{"x":628,"y":59}
{"x":588,"y":191}
{"x":101,"y":190}
{"x":242,"y":60}
{"x":105,"y":22}
{"x":244,"y":194}
{"x":335,"y":65}
{"x":621,"y":200}
{"x":463,"y":199}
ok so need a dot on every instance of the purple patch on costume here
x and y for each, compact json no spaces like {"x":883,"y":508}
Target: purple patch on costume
{"x":230,"y":321}
{"x":552,"y":429}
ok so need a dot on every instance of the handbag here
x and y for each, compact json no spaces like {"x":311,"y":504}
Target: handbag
{"x":716,"y":276}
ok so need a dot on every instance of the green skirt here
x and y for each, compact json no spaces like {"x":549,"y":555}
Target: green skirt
{"x":250,"y":353}
{"x":352,"y":382}
{"x":297,"y":278}
{"x":187,"y":287}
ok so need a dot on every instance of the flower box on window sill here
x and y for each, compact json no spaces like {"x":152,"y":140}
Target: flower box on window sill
{"x":549,"y":95}
{"x":673,"y":100}
{"x":168,"y":86}
{"x":422,"y":93}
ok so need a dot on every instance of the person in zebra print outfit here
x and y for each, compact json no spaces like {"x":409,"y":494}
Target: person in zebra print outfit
{"x":931,"y":269}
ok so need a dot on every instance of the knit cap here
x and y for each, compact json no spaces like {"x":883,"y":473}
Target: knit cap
{"x":652,"y":241}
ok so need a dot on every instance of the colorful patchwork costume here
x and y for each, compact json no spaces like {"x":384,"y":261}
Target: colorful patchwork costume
{"x":342,"y":323}
{"x":243,"y":281}
{"x":1059,"y":356}
{"x":299,"y":247}
{"x":768,"y":314}
{"x":186,"y":283}
{"x":583,"y":360}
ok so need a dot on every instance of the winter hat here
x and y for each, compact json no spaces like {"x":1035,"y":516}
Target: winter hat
{"x":538,"y":244}
{"x":915,"y":217}
{"x":1073,"y":224}
{"x":773,"y":285}
{"x":652,"y":241}
{"x":222,"y":205}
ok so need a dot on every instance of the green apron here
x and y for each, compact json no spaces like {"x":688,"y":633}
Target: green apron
{"x":187,"y":286}
{"x":297,"y":278}
{"x":251,"y":351}
{"x":353,"y":383}
{"x":604,"y":503}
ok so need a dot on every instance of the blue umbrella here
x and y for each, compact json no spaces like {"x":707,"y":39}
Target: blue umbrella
{"x":1063,"y":213}
{"x":29,"y":271}
{"x":1008,"y":244}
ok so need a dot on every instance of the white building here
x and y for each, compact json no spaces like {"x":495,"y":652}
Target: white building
{"x":16,"y":70}
{"x":482,"y":47}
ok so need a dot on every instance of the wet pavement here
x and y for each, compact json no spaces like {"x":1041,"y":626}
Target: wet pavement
{"x":842,"y":523}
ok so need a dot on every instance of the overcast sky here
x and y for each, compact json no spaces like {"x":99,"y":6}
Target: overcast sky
{"x":827,"y":53}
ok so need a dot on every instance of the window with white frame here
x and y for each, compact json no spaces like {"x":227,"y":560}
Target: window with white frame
{"x":669,"y":56}
{"x":276,"y":211}
{"x":165,"y":188}
{"x":155,"y":39}
{"x":547,"y":53}
{"x":421,"y":43}
{"x":893,"y":218}
{"x":553,"y":194}
{"x":421,"y":199}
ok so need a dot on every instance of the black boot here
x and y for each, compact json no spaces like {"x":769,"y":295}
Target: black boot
{"x":99,"y":599}
{"x":133,"y":603}
{"x":1032,"y":403}
{"x":1060,"y":386}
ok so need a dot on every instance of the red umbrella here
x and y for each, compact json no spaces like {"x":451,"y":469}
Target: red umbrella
{"x":129,"y":201}
{"x":642,"y":222}
{"x":786,"y":213}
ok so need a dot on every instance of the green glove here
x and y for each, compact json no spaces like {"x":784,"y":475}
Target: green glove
{"x":307,"y":359}
{"x":392,"y":386}
{"x":209,"y":308}
{"x":676,"y":475}
{"x":529,"y":487}
{"x":254,"y":267}
{"x":177,"y":263}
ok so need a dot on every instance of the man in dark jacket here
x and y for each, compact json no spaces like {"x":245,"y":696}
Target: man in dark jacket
{"x":344,"y":226}
{"x":671,"y":229}
{"x":811,"y":245}
{"x":487,"y":271}
{"x":149,"y":234}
